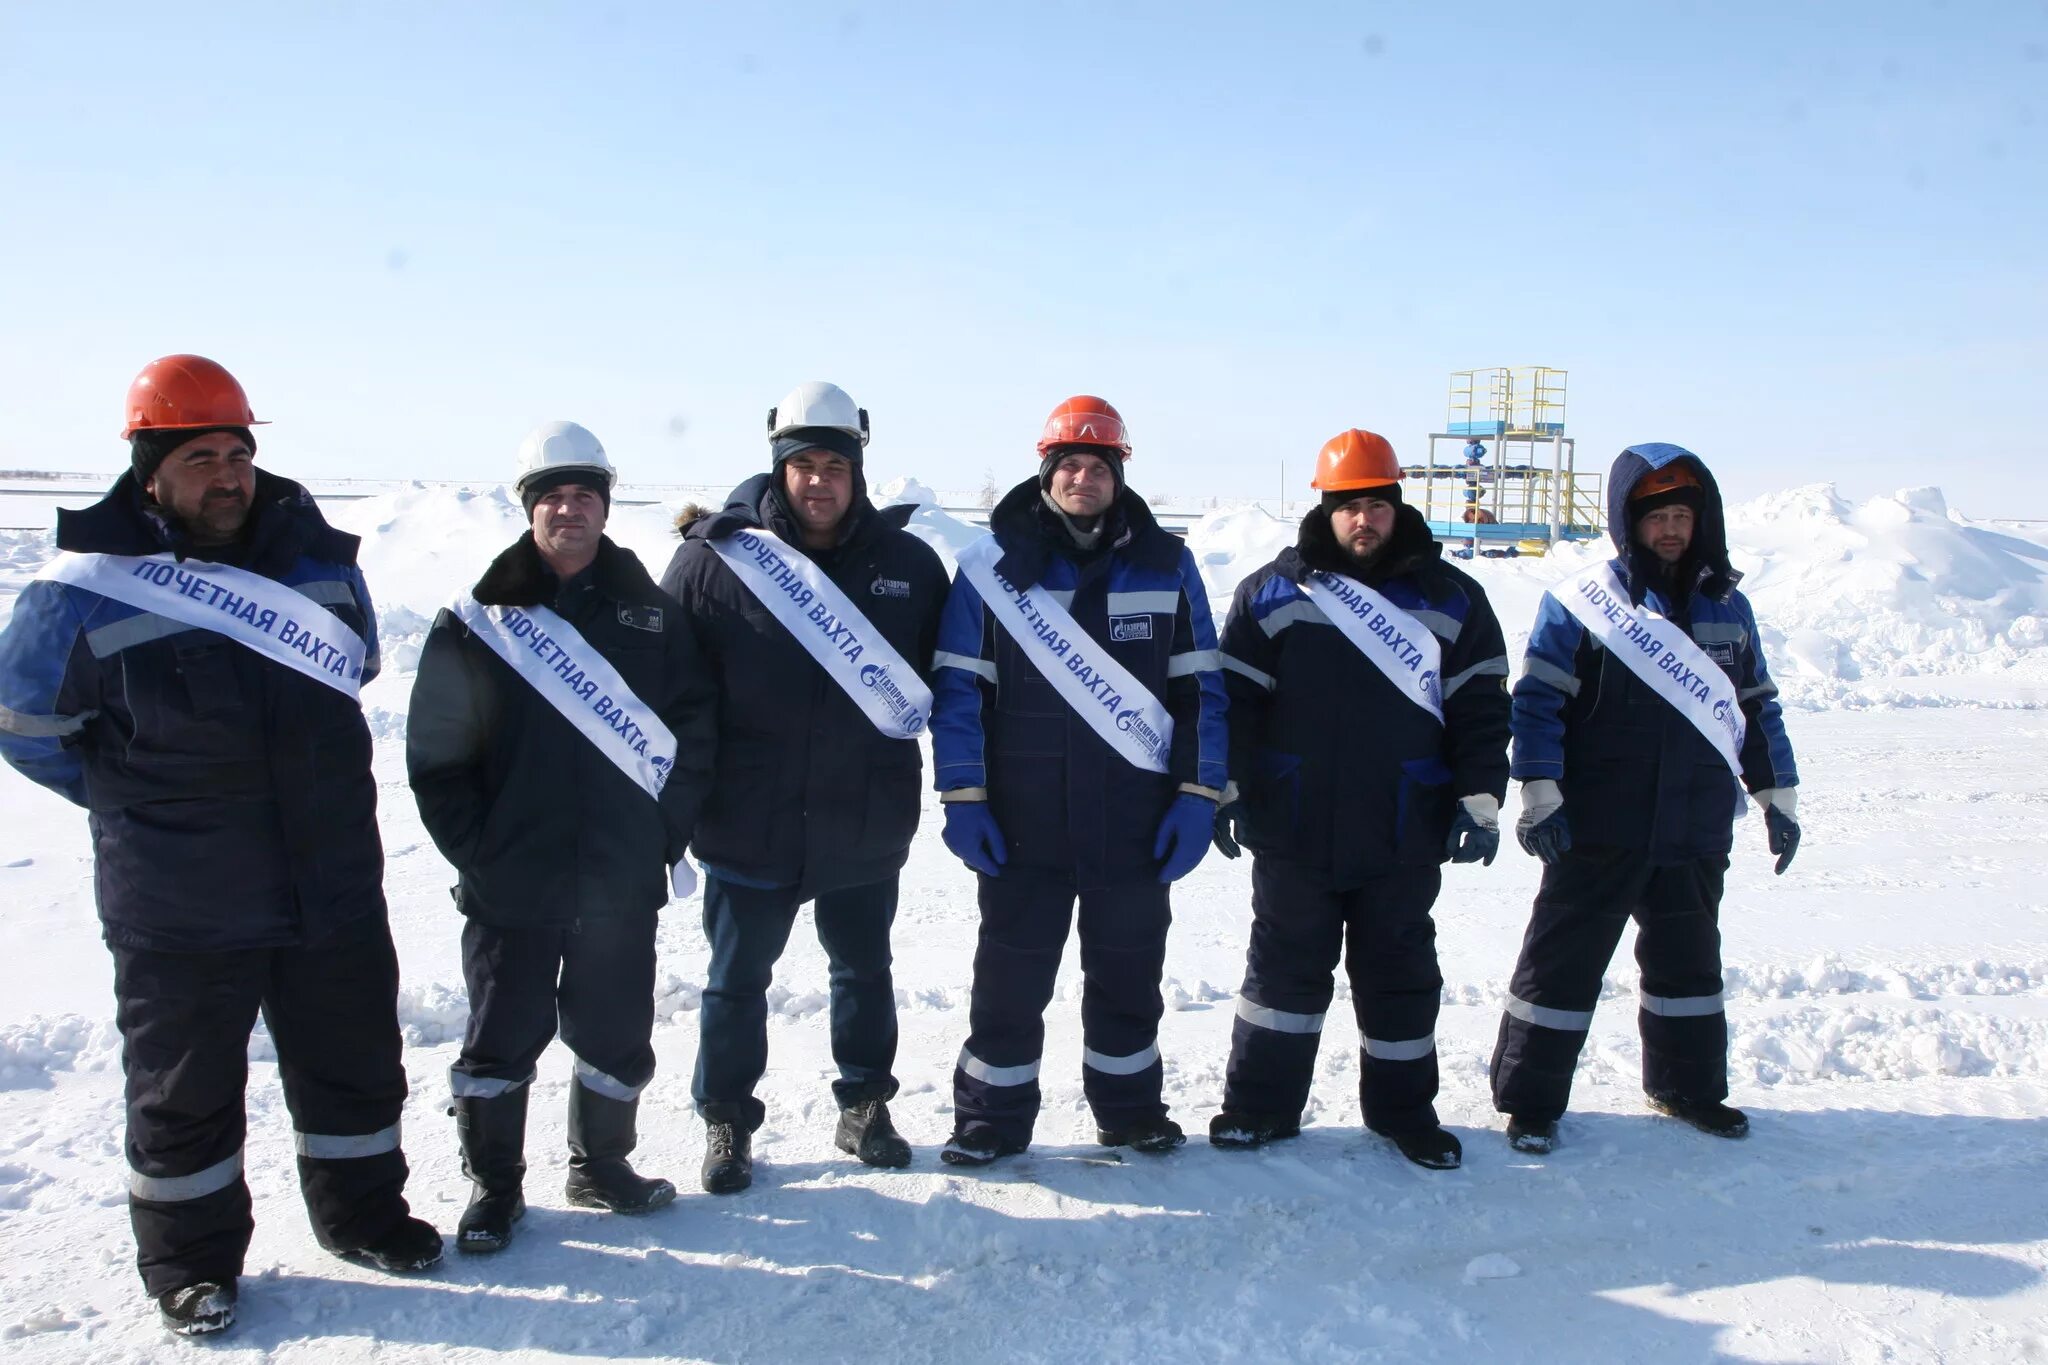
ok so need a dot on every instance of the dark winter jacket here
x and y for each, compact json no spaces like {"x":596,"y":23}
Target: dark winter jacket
{"x":809,"y":793}
{"x":541,"y":826}
{"x":1065,"y":801}
{"x":1337,"y":768}
{"x":231,"y":799}
{"x":1634,"y":772}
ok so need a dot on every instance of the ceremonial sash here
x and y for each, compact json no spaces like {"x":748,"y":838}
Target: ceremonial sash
{"x":1394,"y":642}
{"x":274,"y":619}
{"x":579,"y":682}
{"x":1102,"y":691}
{"x":832,"y":630}
{"x":1662,"y":655}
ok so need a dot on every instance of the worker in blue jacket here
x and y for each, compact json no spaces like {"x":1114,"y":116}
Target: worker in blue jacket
{"x":1366,"y":758}
{"x":187,"y":671}
{"x":1079,"y":744}
{"x":1625,"y":741}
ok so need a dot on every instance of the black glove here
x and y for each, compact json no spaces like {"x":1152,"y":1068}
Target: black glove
{"x":1475,"y":831}
{"x":1783,"y":831}
{"x":1543,"y":830}
{"x":1229,"y":822}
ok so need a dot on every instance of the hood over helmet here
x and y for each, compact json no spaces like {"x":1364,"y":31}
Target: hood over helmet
{"x":1710,"y":531}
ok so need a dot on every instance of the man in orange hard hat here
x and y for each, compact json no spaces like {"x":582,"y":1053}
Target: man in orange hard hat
{"x":1078,"y":741}
{"x":188,"y":670}
{"x":1368,"y":745}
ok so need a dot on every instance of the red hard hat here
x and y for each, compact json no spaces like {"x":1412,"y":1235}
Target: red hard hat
{"x":1663,"y":481}
{"x":1355,"y":459}
{"x":1085,"y":420}
{"x":185,"y":393}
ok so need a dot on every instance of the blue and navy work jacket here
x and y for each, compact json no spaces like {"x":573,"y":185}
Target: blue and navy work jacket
{"x":1338,"y":770}
{"x":1065,"y":801}
{"x":230,"y":796}
{"x":1634,"y":772}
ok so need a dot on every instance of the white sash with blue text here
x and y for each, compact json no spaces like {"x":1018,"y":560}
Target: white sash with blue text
{"x":1102,"y":691}
{"x":1662,"y":655}
{"x":1394,"y":642}
{"x":272,"y":618}
{"x":569,"y":673}
{"x":831,"y":629}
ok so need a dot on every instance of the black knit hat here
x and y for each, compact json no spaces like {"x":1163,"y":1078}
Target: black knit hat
{"x":1109,"y":455}
{"x":1385,"y":492}
{"x":537,"y":487}
{"x":150,"y":448}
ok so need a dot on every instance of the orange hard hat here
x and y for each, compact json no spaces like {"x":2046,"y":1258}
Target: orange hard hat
{"x":1675,"y":475}
{"x":1085,"y":420}
{"x":1355,"y":459}
{"x":185,"y":393}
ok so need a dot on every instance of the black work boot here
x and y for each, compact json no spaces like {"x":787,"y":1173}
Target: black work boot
{"x":1433,"y":1147}
{"x":602,"y":1134}
{"x":493,"y":1135}
{"x":1709,"y":1116}
{"x":977,"y":1144}
{"x":865,"y":1131}
{"x":196,"y":1309}
{"x":1146,"y":1135}
{"x":1538,"y":1137}
{"x":728,"y":1156}
{"x":1232,"y":1128}
{"x":411,"y":1245}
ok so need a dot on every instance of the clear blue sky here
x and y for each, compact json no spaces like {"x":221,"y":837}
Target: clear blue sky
{"x":1804,"y":239}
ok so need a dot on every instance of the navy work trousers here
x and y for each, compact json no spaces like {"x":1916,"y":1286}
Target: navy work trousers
{"x":185,"y":1019}
{"x":1587,"y":896}
{"x":1388,"y":941}
{"x":748,"y":927}
{"x":1025,"y":915}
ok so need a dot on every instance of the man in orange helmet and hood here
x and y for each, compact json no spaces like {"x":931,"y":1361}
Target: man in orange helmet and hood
{"x":1368,"y":744}
{"x":188,"y":672}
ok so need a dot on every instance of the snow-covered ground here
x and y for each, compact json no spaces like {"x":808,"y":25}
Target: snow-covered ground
{"x":1888,"y":999}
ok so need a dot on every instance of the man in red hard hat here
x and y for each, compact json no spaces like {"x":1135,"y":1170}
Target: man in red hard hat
{"x":187,"y":670}
{"x":1368,"y":739}
{"x":1078,"y":740}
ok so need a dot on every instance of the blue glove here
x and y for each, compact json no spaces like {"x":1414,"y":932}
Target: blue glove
{"x":1184,"y":835}
{"x":1544,"y":833}
{"x":1781,"y":826}
{"x":972,"y":835}
{"x":1227,"y":834}
{"x":1475,"y":832}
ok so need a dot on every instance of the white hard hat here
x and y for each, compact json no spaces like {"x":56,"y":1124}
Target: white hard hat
{"x":818,"y":404}
{"x":561,"y":445}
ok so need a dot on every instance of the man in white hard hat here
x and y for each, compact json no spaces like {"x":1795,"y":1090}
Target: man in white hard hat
{"x":559,"y":745}
{"x":819,"y":613}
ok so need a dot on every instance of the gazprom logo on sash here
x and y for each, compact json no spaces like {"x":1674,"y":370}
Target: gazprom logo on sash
{"x":824,"y":621}
{"x":901,"y":707}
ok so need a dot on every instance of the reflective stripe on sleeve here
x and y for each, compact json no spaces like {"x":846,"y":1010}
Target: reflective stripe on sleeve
{"x":1245,"y":670}
{"x":997,"y":1075}
{"x":1279,"y":1021}
{"x":1194,"y":661}
{"x":1682,"y":1007}
{"x":1406,"y":1050}
{"x":1119,"y":1066}
{"x":42,"y":727}
{"x":611,"y":1087}
{"x":1542,"y":1016}
{"x":1544,"y":671}
{"x":1496,"y":667}
{"x":174,"y":1189}
{"x":343,"y":1146}
{"x":967,"y":663}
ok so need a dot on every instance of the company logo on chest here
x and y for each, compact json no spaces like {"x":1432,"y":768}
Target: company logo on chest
{"x":1123,"y":628}
{"x":640,"y":618}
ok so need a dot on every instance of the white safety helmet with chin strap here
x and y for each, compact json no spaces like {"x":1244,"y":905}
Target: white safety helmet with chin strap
{"x":818,"y":404}
{"x":555,"y":446}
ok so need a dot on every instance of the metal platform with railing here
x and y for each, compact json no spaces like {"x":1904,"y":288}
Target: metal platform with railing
{"x":1519,"y":493}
